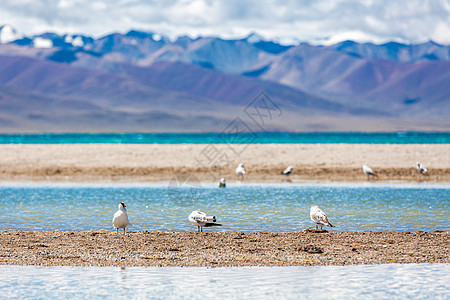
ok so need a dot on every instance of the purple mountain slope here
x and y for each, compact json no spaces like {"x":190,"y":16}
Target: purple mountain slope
{"x":228,"y":88}
{"x":382,"y":84}
{"x":142,"y":81}
{"x":64,"y":98}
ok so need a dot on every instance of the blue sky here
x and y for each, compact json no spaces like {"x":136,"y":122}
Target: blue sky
{"x":318,"y":21}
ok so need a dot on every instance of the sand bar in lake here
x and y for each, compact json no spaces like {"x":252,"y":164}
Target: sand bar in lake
{"x":264,"y":162}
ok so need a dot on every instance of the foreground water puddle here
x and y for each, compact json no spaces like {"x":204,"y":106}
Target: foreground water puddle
{"x":352,"y":282}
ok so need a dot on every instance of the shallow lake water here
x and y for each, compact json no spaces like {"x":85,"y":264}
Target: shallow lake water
{"x":239,"y":207}
{"x":391,"y":281}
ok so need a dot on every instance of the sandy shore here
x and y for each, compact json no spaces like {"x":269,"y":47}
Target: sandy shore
{"x":306,"y":248}
{"x":264,"y":162}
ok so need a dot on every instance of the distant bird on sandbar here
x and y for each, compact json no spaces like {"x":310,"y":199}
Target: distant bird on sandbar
{"x":240,"y":171}
{"x":319,"y":217}
{"x":120,"y":218}
{"x":288,"y":171}
{"x":222,"y":183}
{"x":200,"y":219}
{"x":367,"y":170}
{"x":421,"y":168}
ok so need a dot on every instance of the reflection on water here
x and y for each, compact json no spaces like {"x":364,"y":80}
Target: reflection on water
{"x":417,"y":281}
{"x":240,"y":207}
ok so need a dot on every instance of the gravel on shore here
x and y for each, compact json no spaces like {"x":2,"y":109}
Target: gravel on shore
{"x":217,"y":249}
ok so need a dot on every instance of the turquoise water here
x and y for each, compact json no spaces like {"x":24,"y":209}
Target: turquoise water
{"x":239,"y":207}
{"x":392,"y":281}
{"x":233,"y":138}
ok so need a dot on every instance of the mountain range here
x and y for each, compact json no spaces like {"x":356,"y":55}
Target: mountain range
{"x":146,"y":82}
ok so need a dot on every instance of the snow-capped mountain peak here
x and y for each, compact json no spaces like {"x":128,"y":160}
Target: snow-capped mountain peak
{"x":254,"y":38}
{"x":8,"y":34}
{"x":75,"y":40}
{"x":39,"y":42}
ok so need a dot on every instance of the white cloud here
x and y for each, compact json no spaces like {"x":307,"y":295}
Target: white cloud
{"x":320,"y":21}
{"x":441,"y":33}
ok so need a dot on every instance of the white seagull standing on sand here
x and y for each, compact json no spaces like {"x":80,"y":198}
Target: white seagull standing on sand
{"x":319,"y":217}
{"x":367,"y":170}
{"x":222,"y":183}
{"x":288,"y":171}
{"x":120,"y":218}
{"x":240,"y":171}
{"x":199,"y":219}
{"x":421,"y":168}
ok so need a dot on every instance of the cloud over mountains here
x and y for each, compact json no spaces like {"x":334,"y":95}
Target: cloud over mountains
{"x":322,"y":21}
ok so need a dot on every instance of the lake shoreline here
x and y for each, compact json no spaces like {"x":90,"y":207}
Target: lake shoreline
{"x":208,"y":163}
{"x":221,"y":249}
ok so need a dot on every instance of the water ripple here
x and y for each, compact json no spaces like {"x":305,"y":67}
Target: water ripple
{"x":243,"y":208}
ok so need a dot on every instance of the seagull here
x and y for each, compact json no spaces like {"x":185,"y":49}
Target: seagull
{"x":240,"y":171}
{"x":319,"y":217}
{"x":120,"y":218}
{"x":288,"y":171}
{"x":222,"y":183}
{"x":368,"y":171}
{"x":421,"y":168}
{"x":199,"y":219}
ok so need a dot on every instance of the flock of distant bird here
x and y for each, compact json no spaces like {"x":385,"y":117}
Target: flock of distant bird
{"x":200,"y":219}
{"x":420,"y":168}
{"x":240,"y":172}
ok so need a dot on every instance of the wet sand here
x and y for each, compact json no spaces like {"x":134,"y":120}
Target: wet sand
{"x":264,"y":162}
{"x":216,"y":249}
